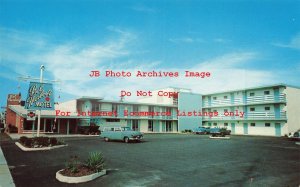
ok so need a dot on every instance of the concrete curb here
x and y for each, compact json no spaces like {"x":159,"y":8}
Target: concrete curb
{"x":86,"y":178}
{"x":225,"y":138}
{"x":17,"y":136}
{"x":38,"y":149}
{"x":6,"y":179}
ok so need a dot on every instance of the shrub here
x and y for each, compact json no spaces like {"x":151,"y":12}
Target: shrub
{"x":53,"y":141}
{"x":28,"y":142}
{"x":23,"y":139}
{"x":94,"y":129}
{"x":84,"y":130}
{"x":73,"y":163}
{"x":60,"y":142}
{"x":95,"y":161}
{"x":41,"y":141}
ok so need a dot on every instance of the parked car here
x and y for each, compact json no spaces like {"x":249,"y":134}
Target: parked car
{"x":200,"y":130}
{"x":295,"y":136}
{"x":120,"y":133}
{"x":219,"y":132}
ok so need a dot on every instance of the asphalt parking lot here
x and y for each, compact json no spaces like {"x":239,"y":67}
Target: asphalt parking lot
{"x":167,"y":160}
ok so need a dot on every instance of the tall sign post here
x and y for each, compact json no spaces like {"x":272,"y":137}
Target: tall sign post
{"x":40,"y":97}
{"x":39,"y":114}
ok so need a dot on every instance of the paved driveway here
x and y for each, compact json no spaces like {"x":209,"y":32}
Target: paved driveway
{"x":168,"y":160}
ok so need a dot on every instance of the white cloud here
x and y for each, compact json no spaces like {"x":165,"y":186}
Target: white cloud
{"x":185,"y":40}
{"x":293,"y":44}
{"x":221,"y":40}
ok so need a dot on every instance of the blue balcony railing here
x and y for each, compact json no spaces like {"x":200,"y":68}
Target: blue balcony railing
{"x":248,"y":100}
{"x":250,"y":116}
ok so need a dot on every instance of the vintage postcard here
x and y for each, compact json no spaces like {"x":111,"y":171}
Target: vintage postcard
{"x":127,"y":93}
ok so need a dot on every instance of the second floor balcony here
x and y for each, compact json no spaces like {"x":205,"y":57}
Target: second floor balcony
{"x":250,"y":116}
{"x":245,"y":101}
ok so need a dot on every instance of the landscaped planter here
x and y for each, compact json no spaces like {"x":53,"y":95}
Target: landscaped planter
{"x":80,"y":179}
{"x":23,"y":148}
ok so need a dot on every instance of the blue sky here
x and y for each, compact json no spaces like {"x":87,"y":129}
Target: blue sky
{"x":243,"y":44}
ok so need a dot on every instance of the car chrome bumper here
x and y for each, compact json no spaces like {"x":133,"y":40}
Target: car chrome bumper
{"x":136,"y":138}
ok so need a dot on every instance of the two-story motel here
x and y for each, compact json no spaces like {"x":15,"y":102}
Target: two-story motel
{"x":267,"y":110}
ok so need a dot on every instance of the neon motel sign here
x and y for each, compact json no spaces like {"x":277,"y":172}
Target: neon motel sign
{"x":40,"y":96}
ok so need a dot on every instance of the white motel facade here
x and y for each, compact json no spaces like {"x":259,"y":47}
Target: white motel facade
{"x":272,"y":110}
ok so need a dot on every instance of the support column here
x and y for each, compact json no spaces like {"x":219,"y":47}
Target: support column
{"x":33,"y":123}
{"x":45,"y":125}
{"x":68,"y":126}
{"x":58,"y":125}
{"x":51,"y":125}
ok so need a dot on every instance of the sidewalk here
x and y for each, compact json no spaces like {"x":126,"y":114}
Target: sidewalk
{"x":6,"y":179}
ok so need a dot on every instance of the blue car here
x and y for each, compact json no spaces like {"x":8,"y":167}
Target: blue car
{"x":120,"y":133}
{"x":200,"y":130}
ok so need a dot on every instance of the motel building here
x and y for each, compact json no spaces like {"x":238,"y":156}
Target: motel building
{"x":268,"y":110}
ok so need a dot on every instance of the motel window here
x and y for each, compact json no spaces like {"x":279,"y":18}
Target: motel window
{"x":112,"y":120}
{"x":225,"y":96}
{"x":252,"y":109}
{"x":215,"y":124}
{"x":214,"y":98}
{"x":135,"y":125}
{"x":95,"y":107}
{"x":267,"y":108}
{"x":114,"y":107}
{"x":151,"y":109}
{"x":267,"y":125}
{"x":267,"y":92}
{"x":135,"y":108}
{"x":252,"y":124}
{"x":150,"y":125}
{"x":252,"y":94}
{"x":225,"y":124}
{"x":168,"y":110}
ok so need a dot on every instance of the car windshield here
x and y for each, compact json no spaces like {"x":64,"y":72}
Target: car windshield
{"x":126,"y":128}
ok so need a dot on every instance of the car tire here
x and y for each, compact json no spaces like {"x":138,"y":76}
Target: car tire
{"x":106,"y":139}
{"x":126,"y":139}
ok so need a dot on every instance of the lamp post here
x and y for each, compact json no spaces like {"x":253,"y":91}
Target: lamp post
{"x":39,"y":111}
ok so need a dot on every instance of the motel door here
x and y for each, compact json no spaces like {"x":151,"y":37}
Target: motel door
{"x":168,"y":126}
{"x":233,"y":128}
{"x":277,"y":111}
{"x":245,"y":128}
{"x":277,"y":129}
